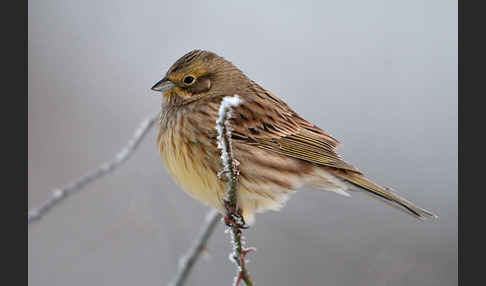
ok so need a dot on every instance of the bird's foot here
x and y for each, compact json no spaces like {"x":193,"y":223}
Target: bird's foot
{"x":234,"y":218}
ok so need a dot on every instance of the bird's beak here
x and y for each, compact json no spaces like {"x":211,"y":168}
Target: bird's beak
{"x":163,"y":85}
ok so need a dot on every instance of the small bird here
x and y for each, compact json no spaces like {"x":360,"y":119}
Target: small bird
{"x":277,"y":151}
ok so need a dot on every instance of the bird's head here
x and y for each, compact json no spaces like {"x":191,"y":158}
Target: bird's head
{"x":199,"y":74}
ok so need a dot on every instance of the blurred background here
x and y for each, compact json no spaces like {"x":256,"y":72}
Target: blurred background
{"x":380,"y":76}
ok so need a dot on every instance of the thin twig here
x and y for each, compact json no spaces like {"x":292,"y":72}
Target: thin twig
{"x":58,"y":195}
{"x":233,"y":214}
{"x":187,"y":261}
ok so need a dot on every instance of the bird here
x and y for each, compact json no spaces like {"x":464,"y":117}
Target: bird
{"x":276,"y":150}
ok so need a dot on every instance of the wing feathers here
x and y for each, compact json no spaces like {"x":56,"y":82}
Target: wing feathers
{"x":270,"y":124}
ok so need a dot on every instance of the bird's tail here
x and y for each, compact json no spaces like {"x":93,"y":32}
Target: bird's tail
{"x":386,"y":194}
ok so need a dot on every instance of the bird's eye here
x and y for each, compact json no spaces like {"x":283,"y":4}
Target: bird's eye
{"x":188,"y":80}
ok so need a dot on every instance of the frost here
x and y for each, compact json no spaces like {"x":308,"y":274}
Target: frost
{"x":231,"y":258}
{"x":230,"y":171}
{"x":227,"y":103}
{"x":57,"y":193}
{"x":236,"y":280}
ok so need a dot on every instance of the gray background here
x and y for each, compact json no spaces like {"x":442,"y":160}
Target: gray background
{"x":380,"y":76}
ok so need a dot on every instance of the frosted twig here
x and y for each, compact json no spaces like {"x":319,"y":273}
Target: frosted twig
{"x":187,"y":261}
{"x":58,"y":195}
{"x":233,"y":218}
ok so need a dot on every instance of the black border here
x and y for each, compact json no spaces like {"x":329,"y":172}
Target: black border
{"x":471,"y":117}
{"x":14,"y":139}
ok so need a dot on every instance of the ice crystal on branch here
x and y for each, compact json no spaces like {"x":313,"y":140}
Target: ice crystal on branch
{"x":234,"y":218}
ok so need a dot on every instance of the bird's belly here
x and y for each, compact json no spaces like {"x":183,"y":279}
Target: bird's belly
{"x":185,"y":161}
{"x":260,"y":187}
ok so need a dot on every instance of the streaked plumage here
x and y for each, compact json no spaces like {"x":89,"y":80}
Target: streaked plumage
{"x":277,"y":150}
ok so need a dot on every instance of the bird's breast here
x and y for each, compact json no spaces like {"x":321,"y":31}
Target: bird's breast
{"x":189,"y":158}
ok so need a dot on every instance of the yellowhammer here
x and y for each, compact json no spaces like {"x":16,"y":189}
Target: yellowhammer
{"x":277,"y":151}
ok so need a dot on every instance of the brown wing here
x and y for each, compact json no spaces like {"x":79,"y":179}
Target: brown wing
{"x":268,"y":123}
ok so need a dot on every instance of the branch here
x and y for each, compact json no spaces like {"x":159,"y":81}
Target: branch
{"x":58,"y":195}
{"x":234,"y":218}
{"x":187,"y":261}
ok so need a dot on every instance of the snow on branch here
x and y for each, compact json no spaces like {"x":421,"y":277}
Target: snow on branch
{"x":60,"y":194}
{"x":234,"y":218}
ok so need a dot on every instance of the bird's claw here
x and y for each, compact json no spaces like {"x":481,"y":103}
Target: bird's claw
{"x":234,"y":218}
